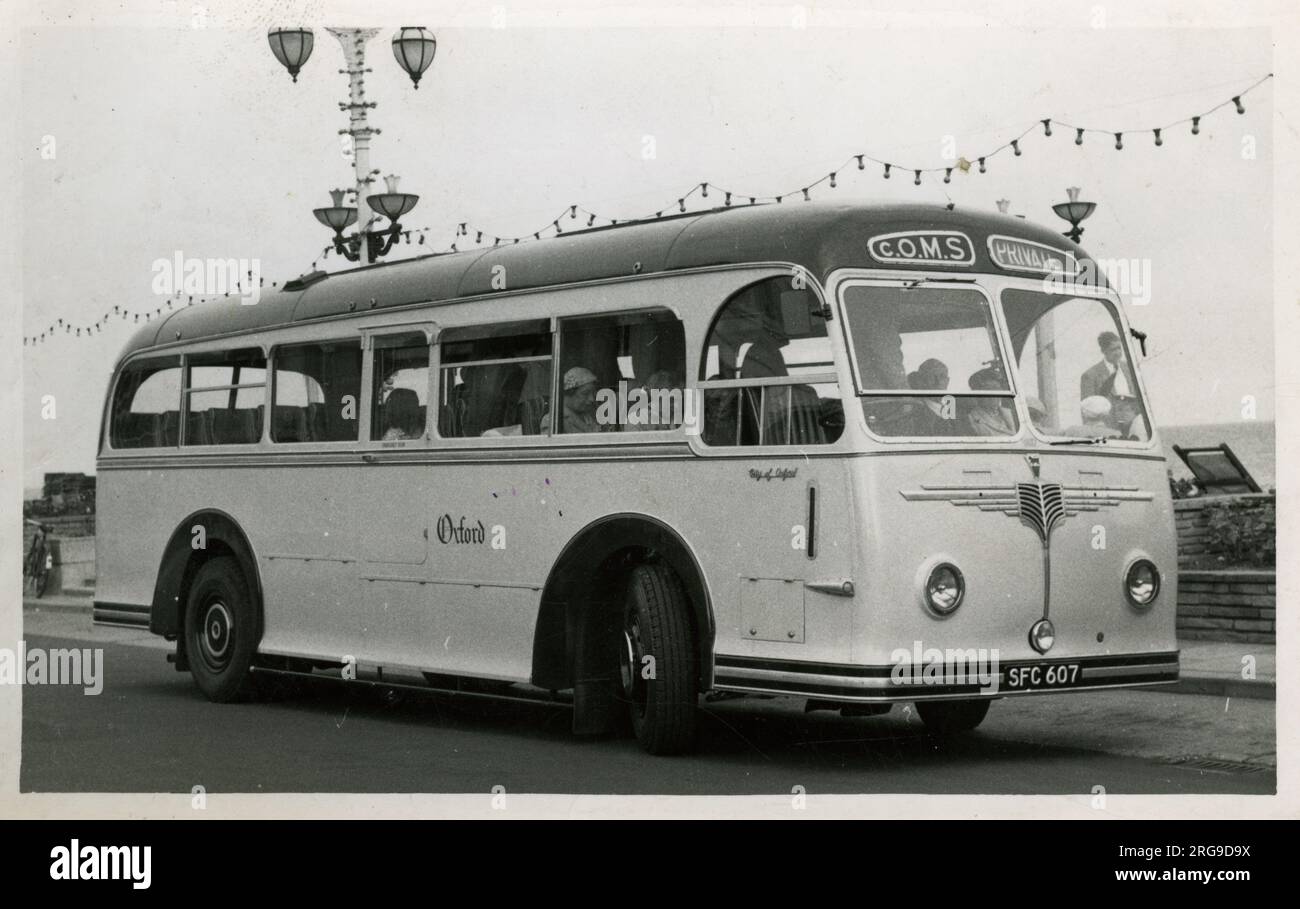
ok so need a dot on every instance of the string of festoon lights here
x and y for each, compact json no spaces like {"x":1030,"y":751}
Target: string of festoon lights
{"x":1045,"y":128}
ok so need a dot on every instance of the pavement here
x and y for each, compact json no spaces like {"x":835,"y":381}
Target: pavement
{"x":1220,"y":668}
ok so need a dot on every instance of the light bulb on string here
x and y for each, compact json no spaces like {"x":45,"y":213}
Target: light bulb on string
{"x":1119,"y":142}
{"x":704,"y":190}
{"x":832,"y":180}
{"x":1159,"y":141}
{"x":1078,"y":136}
{"x":1241,"y":108}
{"x":727,"y":201}
{"x":947,"y":175}
{"x":1047,"y":127}
{"x":982,"y":170}
{"x":861,"y":166}
{"x":1015,"y":147}
{"x":917,"y":181}
{"x":681,"y":204}
{"x":806,"y":197}
{"x":886,"y":171}
{"x":1196,"y":126}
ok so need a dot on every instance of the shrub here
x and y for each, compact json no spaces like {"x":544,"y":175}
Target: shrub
{"x":1242,"y":530}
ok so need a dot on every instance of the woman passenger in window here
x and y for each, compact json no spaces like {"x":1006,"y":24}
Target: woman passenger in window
{"x":932,"y":416}
{"x":987,"y":416}
{"x":579,"y":403}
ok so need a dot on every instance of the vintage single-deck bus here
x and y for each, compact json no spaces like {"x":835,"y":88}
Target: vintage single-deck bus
{"x":847,"y":453}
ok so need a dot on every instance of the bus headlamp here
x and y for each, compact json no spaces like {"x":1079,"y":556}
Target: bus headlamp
{"x":1042,"y":636}
{"x":1142,"y":582}
{"x":944,"y":589}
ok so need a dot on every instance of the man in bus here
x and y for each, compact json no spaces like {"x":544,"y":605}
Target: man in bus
{"x":1112,"y":379}
{"x":579,"y":403}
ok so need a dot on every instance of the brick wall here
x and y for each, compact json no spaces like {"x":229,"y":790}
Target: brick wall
{"x":1227,"y":606}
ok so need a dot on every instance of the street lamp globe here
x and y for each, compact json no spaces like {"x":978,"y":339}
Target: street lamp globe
{"x":1074,"y":212}
{"x":291,"y":46}
{"x":414,"y":48}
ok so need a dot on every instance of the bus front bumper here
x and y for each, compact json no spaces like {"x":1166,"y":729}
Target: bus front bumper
{"x":852,"y":683}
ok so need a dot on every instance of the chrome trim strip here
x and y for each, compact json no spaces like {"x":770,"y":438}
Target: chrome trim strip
{"x":914,"y":696}
{"x":450,"y":582}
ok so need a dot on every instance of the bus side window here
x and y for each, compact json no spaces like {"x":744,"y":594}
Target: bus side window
{"x":634,"y":368}
{"x":317,"y":392}
{"x":146,"y":405}
{"x":770,"y":346}
{"x":399,"y":396}
{"x":225,"y":394}
{"x":495,"y":381}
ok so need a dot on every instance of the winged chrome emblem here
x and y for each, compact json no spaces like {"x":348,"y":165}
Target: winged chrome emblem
{"x":1041,"y":506}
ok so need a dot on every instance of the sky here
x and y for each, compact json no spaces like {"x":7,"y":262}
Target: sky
{"x":175,"y":132}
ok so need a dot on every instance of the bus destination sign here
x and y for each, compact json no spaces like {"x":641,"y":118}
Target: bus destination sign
{"x":923,"y":247}
{"x":1025,"y":255}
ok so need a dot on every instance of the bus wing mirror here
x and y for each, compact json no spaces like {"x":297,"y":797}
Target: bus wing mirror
{"x":1141,"y":337}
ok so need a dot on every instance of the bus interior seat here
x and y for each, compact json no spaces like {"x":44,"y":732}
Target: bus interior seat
{"x":290,"y":424}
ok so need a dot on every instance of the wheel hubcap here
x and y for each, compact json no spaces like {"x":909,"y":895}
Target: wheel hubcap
{"x":215,"y":635}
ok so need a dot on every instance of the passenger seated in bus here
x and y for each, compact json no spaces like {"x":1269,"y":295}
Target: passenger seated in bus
{"x":579,"y":403}
{"x":929,"y":415}
{"x":988,"y":416}
{"x":1096,"y":420}
{"x":402,"y":415}
{"x":663,"y":399}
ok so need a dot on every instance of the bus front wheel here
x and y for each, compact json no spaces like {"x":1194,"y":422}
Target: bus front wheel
{"x":657,"y":661}
{"x":221,"y":630}
{"x":950,"y":717}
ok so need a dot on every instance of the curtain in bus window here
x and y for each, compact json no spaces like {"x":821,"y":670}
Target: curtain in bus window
{"x":317,"y":392}
{"x":225,"y":397}
{"x":146,"y":405}
{"x":771,"y":330}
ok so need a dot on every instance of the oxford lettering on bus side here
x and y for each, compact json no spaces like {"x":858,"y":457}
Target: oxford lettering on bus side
{"x":451,"y":531}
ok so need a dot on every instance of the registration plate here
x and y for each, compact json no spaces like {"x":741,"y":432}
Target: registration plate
{"x":1042,"y":676}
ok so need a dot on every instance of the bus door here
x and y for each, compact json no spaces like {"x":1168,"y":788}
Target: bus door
{"x":396,"y":493}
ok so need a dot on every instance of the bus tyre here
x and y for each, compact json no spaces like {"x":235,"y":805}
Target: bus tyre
{"x":657,"y":661}
{"x":952,"y":717}
{"x":221,"y":631}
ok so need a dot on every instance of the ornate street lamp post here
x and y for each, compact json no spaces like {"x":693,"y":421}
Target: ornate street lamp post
{"x":1075,"y":212}
{"x":414,"y":49}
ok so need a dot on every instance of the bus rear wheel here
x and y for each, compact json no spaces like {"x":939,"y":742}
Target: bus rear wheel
{"x":221,"y":631}
{"x":657,"y":661}
{"x":952,"y":717}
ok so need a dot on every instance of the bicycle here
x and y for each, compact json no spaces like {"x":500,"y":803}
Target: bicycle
{"x":40,"y":561}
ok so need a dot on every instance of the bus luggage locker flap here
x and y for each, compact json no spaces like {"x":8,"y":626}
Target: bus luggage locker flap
{"x":771,"y":609}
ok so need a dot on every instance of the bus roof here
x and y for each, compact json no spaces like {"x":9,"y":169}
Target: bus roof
{"x":818,"y":236}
